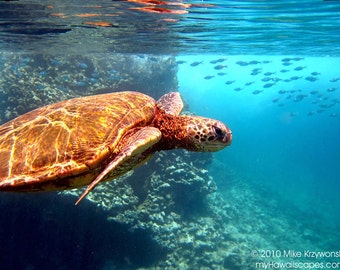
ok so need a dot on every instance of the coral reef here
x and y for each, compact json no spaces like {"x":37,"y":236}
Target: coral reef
{"x":173,"y":200}
{"x":29,"y":81}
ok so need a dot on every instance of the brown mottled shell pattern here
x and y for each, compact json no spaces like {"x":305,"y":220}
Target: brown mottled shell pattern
{"x":68,"y":138}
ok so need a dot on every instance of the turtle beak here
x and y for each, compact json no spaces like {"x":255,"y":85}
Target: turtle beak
{"x":227,"y":137}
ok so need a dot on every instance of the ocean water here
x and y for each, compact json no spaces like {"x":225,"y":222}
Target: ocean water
{"x":268,"y":69}
{"x":284,"y":128}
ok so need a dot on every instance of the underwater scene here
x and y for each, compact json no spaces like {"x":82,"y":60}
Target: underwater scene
{"x":182,"y":196}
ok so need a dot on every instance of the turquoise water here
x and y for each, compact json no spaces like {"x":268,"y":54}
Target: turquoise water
{"x":268,"y":69}
{"x":285,"y":137}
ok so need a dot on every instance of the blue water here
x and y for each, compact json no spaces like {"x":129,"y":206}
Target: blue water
{"x":285,"y":145}
{"x":268,"y":69}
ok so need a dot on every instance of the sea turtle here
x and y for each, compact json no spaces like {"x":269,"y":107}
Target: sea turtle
{"x":87,"y":140}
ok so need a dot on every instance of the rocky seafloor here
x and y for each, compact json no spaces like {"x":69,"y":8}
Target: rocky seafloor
{"x":170,"y":199}
{"x":175,"y":201}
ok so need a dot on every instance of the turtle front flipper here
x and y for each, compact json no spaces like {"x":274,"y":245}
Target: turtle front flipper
{"x":171,"y":103}
{"x":133,"y":152}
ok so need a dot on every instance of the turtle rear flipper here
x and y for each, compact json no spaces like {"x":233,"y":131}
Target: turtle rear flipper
{"x":132,"y":154}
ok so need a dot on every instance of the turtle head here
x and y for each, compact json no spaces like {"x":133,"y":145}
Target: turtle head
{"x":207,"y":135}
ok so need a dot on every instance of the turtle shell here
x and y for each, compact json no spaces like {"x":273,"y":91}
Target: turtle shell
{"x":65,"y":145}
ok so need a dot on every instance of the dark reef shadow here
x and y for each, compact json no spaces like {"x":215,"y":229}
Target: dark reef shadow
{"x":46,"y":231}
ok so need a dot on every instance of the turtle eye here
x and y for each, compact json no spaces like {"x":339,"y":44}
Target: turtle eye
{"x":218,"y":132}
